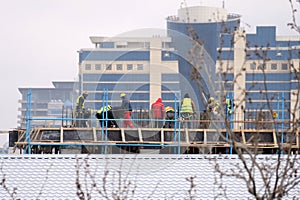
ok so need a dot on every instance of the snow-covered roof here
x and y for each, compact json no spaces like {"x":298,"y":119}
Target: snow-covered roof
{"x":137,"y":176}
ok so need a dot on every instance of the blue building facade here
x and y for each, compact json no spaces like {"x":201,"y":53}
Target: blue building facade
{"x":271,"y":78}
{"x":257,"y":71}
{"x":206,"y":29}
{"x":47,"y":103}
{"x":144,"y":68}
{"x":254,"y":70}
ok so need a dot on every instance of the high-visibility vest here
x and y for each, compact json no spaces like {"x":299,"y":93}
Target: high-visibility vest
{"x":228,"y":103}
{"x":78,"y":100}
{"x":186,"y":106}
{"x":104,"y":109}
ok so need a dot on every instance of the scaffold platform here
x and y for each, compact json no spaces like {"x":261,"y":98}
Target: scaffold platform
{"x":162,"y":140}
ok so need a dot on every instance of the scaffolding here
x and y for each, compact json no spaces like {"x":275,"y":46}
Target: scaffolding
{"x":208,"y":136}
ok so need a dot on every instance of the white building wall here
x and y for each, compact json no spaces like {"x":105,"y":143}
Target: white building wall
{"x":202,"y":14}
{"x":240,"y":76}
{"x":157,"y":68}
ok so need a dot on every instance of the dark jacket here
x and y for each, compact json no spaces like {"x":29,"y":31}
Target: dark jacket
{"x":101,"y":115}
{"x":126,"y":105}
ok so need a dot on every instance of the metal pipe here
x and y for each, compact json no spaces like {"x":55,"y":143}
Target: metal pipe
{"x":28,"y":120}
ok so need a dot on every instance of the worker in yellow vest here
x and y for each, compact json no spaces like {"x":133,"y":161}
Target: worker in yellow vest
{"x":106,"y":117}
{"x":80,"y":110}
{"x":187,"y":111}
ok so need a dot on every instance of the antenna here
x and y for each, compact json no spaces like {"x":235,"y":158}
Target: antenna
{"x":245,"y":23}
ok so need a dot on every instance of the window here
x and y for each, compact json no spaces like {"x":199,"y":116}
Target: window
{"x":88,"y":66}
{"x":98,"y":67}
{"x":253,"y":66}
{"x":262,"y":66}
{"x":121,"y":46}
{"x":140,"y":67}
{"x":129,"y":67}
{"x":119,"y":67}
{"x":284,"y":66}
{"x":273,"y":66}
{"x":108,"y":67}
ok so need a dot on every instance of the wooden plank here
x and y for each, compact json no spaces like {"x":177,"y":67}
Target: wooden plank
{"x":37,"y":133}
{"x":297,"y":138}
{"x":140,"y":135}
{"x":162,"y":136}
{"x":275,"y":137}
{"x":95,"y":134}
{"x":187,"y":139}
{"x":123,"y":135}
{"x":61,"y":135}
{"x":243,"y":137}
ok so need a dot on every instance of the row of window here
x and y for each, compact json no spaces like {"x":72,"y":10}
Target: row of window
{"x":134,"y":86}
{"x":273,"y":66}
{"x":118,"y":67}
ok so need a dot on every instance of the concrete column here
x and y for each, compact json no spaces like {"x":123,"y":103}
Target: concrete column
{"x":155,"y":68}
{"x":239,"y":76}
{"x":294,"y":104}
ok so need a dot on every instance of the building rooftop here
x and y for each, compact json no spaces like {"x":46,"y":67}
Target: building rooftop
{"x":202,"y":14}
{"x":133,"y":176}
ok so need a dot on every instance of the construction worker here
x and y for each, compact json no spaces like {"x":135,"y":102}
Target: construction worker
{"x":213,"y":106}
{"x":105,"y":116}
{"x":169,"y":123}
{"x":228,"y":105}
{"x":214,"y":109}
{"x":274,"y":115}
{"x":187,"y":110}
{"x":80,"y":109}
{"x":127,"y":109}
{"x":205,"y":119}
{"x":87,"y":114}
{"x":170,"y":115}
{"x":158,"y":113}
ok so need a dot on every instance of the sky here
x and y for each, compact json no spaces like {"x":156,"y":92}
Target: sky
{"x":39,"y":39}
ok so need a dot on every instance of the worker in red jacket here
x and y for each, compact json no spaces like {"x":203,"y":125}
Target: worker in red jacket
{"x":158,"y":113}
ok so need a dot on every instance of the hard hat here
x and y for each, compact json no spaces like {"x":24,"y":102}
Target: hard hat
{"x":169,"y":109}
{"x":122,"y":95}
{"x":211,"y":99}
{"x":85,"y":93}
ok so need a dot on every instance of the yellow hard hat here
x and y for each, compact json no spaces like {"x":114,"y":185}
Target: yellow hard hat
{"x":122,"y":95}
{"x":169,"y":109}
{"x":211,"y":99}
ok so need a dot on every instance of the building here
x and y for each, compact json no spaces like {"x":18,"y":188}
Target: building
{"x":204,"y":25}
{"x":263,"y":73}
{"x":148,"y":68}
{"x":257,"y":70}
{"x":145,"y":68}
{"x":45,"y":103}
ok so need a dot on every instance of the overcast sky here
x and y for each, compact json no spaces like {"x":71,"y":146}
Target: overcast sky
{"x":40,"y":38}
